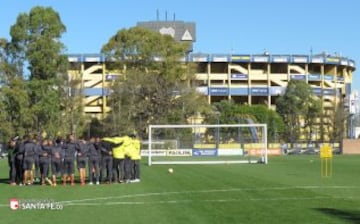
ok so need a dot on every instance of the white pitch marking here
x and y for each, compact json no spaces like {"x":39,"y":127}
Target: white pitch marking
{"x":74,"y":202}
{"x":211,"y":201}
{"x":79,"y":201}
{"x":205,"y":191}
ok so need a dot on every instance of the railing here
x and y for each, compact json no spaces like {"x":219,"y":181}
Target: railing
{"x":257,"y":58}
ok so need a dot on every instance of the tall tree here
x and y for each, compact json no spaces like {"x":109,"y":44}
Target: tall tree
{"x":312,"y":116}
{"x":299,"y":108}
{"x":73,"y":118}
{"x":36,"y":39}
{"x":36,"y":42}
{"x":14,"y":101}
{"x":337,"y":117}
{"x":155,"y":87}
{"x":5,"y":126}
{"x":232,"y":113}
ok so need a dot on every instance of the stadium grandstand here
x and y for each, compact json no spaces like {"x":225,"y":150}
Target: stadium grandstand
{"x":243,"y":78}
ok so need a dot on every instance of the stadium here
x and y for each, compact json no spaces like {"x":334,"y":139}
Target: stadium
{"x":287,"y":189}
{"x":246,"y":79}
{"x":250,"y":79}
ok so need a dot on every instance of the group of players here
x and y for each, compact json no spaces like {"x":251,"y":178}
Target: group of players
{"x":109,"y":160}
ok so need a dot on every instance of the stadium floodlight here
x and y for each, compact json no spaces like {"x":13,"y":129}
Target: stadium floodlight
{"x":207,"y":144}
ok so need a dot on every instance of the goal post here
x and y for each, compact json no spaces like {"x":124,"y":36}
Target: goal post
{"x":207,"y":144}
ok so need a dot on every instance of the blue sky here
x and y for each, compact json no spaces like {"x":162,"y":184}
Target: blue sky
{"x":227,"y":26}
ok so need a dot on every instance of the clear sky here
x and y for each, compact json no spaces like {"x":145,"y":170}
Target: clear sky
{"x":226,"y":26}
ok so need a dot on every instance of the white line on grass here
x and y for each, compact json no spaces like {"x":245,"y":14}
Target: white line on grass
{"x":204,"y":191}
{"x":211,"y":201}
{"x":87,"y":201}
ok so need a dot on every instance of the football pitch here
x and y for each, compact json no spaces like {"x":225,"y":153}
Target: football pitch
{"x":289,"y":189}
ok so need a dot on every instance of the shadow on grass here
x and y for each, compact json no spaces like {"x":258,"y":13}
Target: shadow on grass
{"x":4,"y":180}
{"x":349,"y":216}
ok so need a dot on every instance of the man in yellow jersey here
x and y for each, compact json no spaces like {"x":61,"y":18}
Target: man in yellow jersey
{"x":118,"y":153}
{"x":125,"y":162}
{"x":128,"y":148}
{"x":135,"y":157}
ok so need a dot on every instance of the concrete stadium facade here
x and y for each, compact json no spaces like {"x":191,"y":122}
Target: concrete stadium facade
{"x":245,"y":79}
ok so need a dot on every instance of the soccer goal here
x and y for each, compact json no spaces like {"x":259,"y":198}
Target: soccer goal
{"x":207,"y":144}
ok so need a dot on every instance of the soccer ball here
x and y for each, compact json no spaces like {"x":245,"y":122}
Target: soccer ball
{"x":170,"y":170}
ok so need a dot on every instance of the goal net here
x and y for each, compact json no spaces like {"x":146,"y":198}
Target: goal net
{"x":206,"y":144}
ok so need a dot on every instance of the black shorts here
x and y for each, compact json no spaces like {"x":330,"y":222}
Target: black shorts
{"x":81,"y":163}
{"x":56,"y":166}
{"x":94,"y":161}
{"x":28,"y":163}
{"x":69,"y":166}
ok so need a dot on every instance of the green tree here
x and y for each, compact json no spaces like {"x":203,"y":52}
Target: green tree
{"x":73,"y":118}
{"x":229,"y":112}
{"x":299,"y":108}
{"x":14,"y":102}
{"x":337,"y":120}
{"x":155,"y":87}
{"x":36,"y":42}
{"x":5,"y":126}
{"x":312,"y":112}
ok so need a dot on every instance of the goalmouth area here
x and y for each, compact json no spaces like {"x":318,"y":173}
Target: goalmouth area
{"x":207,"y":144}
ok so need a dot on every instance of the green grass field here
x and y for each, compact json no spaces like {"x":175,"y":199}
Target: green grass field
{"x":289,"y":189}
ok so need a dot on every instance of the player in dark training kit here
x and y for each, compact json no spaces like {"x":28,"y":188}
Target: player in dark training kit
{"x":36,"y":168}
{"x":19,"y":158}
{"x":81,"y":160}
{"x":70,"y":148}
{"x":44,"y":154}
{"x":29,"y":159}
{"x":57,"y":155}
{"x":11,"y":160}
{"x":106,"y":161}
{"x":94,"y":154}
